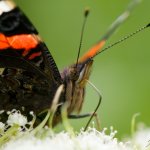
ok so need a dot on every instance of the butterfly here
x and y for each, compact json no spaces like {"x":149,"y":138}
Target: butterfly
{"x":29,"y":75}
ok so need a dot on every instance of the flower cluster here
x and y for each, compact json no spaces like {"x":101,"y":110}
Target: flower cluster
{"x":46,"y":139}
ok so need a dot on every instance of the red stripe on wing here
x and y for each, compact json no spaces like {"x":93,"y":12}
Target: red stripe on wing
{"x":3,"y":42}
{"x":22,"y":41}
{"x":34,"y":55}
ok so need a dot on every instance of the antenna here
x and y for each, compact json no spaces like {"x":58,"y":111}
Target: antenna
{"x":95,"y":49}
{"x":123,"y":39}
{"x":86,"y":13}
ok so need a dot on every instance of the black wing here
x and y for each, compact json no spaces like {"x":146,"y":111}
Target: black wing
{"x":30,"y":76}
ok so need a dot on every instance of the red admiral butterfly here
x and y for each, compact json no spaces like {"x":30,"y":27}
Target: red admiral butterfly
{"x":30,"y":77}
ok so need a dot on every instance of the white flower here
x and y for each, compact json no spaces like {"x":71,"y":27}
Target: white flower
{"x":89,"y":140}
{"x":15,"y":117}
{"x":92,"y":139}
{"x":142,"y":137}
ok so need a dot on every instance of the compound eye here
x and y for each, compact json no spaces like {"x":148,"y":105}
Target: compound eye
{"x":74,"y":74}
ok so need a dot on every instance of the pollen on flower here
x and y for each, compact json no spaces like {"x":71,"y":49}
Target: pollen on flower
{"x":15,"y":117}
{"x":31,"y":113}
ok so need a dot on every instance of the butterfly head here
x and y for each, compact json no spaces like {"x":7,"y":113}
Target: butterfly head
{"x":80,"y":73}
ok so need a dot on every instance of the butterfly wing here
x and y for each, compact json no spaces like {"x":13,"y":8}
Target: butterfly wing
{"x":30,"y":77}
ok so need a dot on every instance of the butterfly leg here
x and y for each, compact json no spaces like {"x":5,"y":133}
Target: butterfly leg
{"x":92,"y":114}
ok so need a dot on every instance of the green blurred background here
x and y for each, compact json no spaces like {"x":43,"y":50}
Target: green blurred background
{"x":122,"y":74}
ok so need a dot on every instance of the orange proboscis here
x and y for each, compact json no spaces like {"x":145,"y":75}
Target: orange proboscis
{"x":93,"y":51}
{"x":22,"y":41}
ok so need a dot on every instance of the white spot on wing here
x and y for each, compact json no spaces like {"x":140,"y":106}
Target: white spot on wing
{"x":6,"y":6}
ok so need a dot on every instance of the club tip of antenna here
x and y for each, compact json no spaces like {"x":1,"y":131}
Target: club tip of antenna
{"x":86,"y":12}
{"x":148,"y":25}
